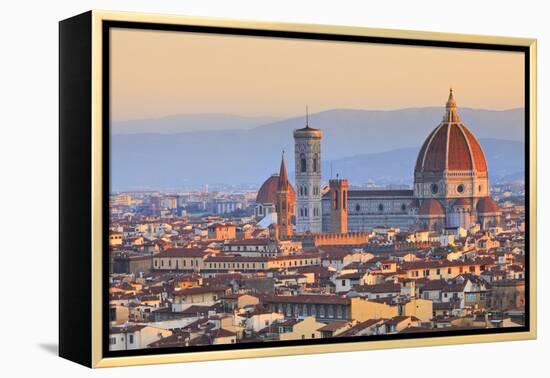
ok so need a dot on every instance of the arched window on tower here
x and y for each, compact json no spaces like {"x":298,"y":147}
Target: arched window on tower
{"x":335,"y":200}
{"x":315,"y":163}
{"x":344,"y":199}
{"x":302,"y":162}
{"x":305,"y":190}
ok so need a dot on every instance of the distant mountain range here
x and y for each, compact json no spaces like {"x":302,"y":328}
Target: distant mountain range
{"x":189,"y":123}
{"x":364,"y":146}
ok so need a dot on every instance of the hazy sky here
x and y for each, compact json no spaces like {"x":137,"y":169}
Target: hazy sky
{"x":157,"y":73}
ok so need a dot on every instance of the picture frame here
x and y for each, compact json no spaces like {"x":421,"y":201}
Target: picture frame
{"x":85,"y":111}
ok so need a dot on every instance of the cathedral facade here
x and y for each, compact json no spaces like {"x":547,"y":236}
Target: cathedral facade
{"x":450,"y":189}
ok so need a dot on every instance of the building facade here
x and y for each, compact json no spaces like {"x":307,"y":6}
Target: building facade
{"x":451,"y":187}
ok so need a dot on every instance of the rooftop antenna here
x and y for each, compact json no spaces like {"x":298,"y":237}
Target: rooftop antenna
{"x":307,"y":117}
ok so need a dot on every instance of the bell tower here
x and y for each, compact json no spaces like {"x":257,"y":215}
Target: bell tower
{"x":307,"y":158}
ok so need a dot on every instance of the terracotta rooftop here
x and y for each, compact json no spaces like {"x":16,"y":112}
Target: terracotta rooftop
{"x":487,"y":205}
{"x":431,"y":207}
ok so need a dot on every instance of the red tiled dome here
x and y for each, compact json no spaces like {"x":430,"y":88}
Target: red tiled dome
{"x":487,"y":205}
{"x":451,"y":146}
{"x":431,"y":207}
{"x":268,"y":191}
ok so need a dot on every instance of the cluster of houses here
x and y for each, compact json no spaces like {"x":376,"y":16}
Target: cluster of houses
{"x":183,"y":281}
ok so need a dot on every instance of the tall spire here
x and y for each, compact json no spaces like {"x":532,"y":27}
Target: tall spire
{"x":307,"y":117}
{"x":283,"y":177}
{"x":451,"y":114}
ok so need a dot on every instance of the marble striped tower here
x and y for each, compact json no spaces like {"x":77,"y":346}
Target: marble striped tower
{"x":307,"y":158}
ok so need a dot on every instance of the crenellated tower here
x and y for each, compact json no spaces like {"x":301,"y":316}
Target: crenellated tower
{"x":339,"y":206}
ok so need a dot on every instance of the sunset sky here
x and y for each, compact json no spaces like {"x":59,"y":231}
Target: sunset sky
{"x":158,"y":73}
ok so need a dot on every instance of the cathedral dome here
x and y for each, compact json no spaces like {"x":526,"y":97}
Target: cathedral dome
{"x":487,"y":205}
{"x":431,"y":207}
{"x":451,"y":146}
{"x":268,"y":191}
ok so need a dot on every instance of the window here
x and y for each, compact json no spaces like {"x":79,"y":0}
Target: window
{"x":343,"y":282}
{"x":315,"y":163}
{"x":131,"y":339}
{"x":335,"y":198}
{"x":357,"y":208}
{"x":434,"y":188}
{"x":460,"y":188}
{"x":112,"y":340}
{"x":302,"y":162}
{"x":380,"y":207}
{"x":344,"y":199}
{"x":403,"y":207}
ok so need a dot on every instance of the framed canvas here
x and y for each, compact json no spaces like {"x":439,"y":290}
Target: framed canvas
{"x":234,"y":189}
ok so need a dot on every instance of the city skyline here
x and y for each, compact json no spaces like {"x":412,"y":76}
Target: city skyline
{"x":443,"y":248}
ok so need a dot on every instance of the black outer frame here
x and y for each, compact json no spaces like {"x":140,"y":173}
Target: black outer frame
{"x":75,"y":333}
{"x":75,"y":189}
